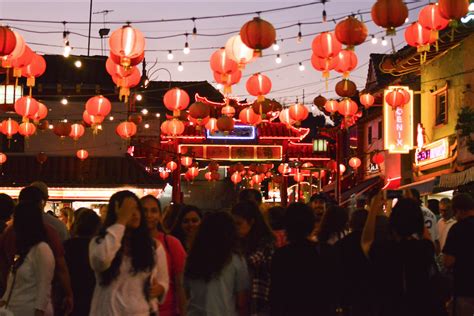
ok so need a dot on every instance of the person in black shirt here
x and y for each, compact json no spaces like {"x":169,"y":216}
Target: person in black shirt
{"x":6,"y":210}
{"x":459,"y":254}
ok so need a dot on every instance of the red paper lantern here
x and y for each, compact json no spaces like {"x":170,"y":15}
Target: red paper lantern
{"x":320,"y":101}
{"x":284,"y":168}
{"x":27,"y":129}
{"x":164,"y":175}
{"x":222,"y":64}
{"x":213,"y":166}
{"x":347,"y":107}
{"x":116,"y":70}
{"x":171,"y":165}
{"x":208,"y":176}
{"x":453,"y":9}
{"x":198,"y":122}
{"x":351,"y":32}
{"x":326,"y":45}
{"x":199,"y":110}
{"x":346,"y":62}
{"x":193,"y":172}
{"x":34,"y":69}
{"x":298,"y":113}
{"x":186,"y":161}
{"x":248,"y":116}
{"x":127,"y":43}
{"x":325,"y":65}
{"x":211,"y":125}
{"x":176,"y":100}
{"x":367,"y":100}
{"x":285,"y":117}
{"x":225,"y":124}
{"x":130,"y":80}
{"x":258,"y":34}
{"x":77,"y":131}
{"x":62,"y":129}
{"x":389,"y":14}
{"x":188,"y":177}
{"x":259,"y":85}
{"x":228,"y":111}
{"x":26,"y":107}
{"x":98,"y":105}
{"x":258,"y":178}
{"x":215,"y":176}
{"x":3,"y":158}
{"x":21,"y":61}
{"x":430,"y":18}
{"x":92,"y":119}
{"x":235,"y":177}
{"x":7,"y":41}
{"x":133,"y":62}
{"x":355,"y":162}
{"x":346,"y":88}
{"x":298,"y":177}
{"x":41,"y":113}
{"x":231,"y":79}
{"x":378,"y":158}
{"x":238,"y":51}
{"x":396,"y":98}
{"x":418,"y":36}
{"x":82,"y":154}
{"x":331,"y":106}
{"x":331,"y":165}
{"x":126,"y":130}
{"x":15,"y":53}
{"x":172,"y":127}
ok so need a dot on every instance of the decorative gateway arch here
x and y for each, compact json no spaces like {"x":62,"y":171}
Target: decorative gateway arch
{"x":268,"y":152}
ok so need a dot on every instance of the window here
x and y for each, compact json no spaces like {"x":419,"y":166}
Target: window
{"x":379,"y":131}
{"x":441,"y":100}
{"x":369,"y":135}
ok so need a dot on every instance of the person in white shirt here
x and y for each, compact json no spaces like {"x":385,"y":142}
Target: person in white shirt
{"x":430,"y":220}
{"x":130,"y":266}
{"x":28,"y":290}
{"x":446,"y":221}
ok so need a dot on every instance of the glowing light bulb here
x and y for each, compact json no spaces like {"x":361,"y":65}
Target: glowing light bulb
{"x":407,"y":19}
{"x":374,"y":40}
{"x":186,"y":49}
{"x":275,"y":46}
{"x":50,"y":126}
{"x":147,"y":125}
{"x":144,"y":111}
{"x":67,"y":49}
{"x":111,"y":118}
{"x":65,"y":120}
{"x":180,"y":66}
{"x":157,"y":115}
{"x":138,"y":97}
{"x":64,"y":101}
{"x":78,"y":64}
{"x":170,"y":55}
{"x":278,"y":59}
{"x":384,"y":42}
{"x":301,"y":67}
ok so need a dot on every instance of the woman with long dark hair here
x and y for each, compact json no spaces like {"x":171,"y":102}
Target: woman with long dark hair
{"x":216,"y":276}
{"x":130,"y":267}
{"x":187,"y":223}
{"x":334,"y":225}
{"x":175,"y":301}
{"x":28,"y":290}
{"x":258,"y":245}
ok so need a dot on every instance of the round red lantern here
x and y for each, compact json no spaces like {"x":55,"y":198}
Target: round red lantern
{"x":41,"y":157}
{"x":347,"y":107}
{"x":34,"y":69}
{"x":127,"y":80}
{"x":248,"y":116}
{"x":231,"y":79}
{"x":284,"y":168}
{"x":225,"y":124}
{"x":164,"y":175}
{"x":213,"y":166}
{"x":346,"y":88}
{"x":238,"y":51}
{"x":351,"y":32}
{"x":126,"y":130}
{"x":285,"y":117}
{"x":211,"y":125}
{"x":298,"y":177}
{"x":298,"y":113}
{"x":397,"y":97}
{"x":3,"y":158}
{"x":92,"y":119}
{"x":193,"y":172}
{"x":258,"y":178}
{"x":430,"y":18}
{"x":453,"y":9}
{"x":262,"y":107}
{"x":367,"y":100}
{"x":319,"y":101}
{"x":326,"y":45}
{"x":62,"y":129}
{"x":355,"y":162}
{"x":116,"y":70}
{"x":41,"y":113}
{"x":389,"y":14}
{"x":133,"y":62}
{"x":331,"y":106}
{"x":208,"y":176}
{"x":16,"y":52}
{"x":27,"y":107}
{"x":235,"y":177}
{"x":418,"y":36}
{"x":222,"y":64}
{"x":172,"y":127}
{"x":127,"y":43}
{"x":325,"y":65}
{"x":21,"y":61}
{"x":346,"y":62}
{"x":188,"y":177}
{"x":378,"y":158}
{"x":77,"y":131}
{"x":228,"y":111}
{"x":186,"y":161}
{"x":199,"y":110}
{"x":98,"y":105}
{"x":331,"y":165}
{"x":7,"y":41}
{"x":82,"y":154}
{"x":176,"y":100}
{"x":259,"y":85}
{"x":258,"y":34}
{"x":135,"y":118}
{"x":27,"y":129}
{"x":171,"y":165}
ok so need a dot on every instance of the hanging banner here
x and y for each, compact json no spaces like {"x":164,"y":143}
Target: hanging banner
{"x":398,"y":123}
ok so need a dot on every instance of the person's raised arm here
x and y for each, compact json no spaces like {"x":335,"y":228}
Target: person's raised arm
{"x":368,"y":234}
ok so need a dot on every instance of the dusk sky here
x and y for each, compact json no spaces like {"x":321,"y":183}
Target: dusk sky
{"x":288,"y":80}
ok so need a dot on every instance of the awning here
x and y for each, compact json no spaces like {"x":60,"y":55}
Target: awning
{"x":424,"y":186}
{"x":392,"y":184}
{"x":360,"y":189}
{"x":453,"y":180}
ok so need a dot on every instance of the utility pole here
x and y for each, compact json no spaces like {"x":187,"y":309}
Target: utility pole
{"x":90,"y":25}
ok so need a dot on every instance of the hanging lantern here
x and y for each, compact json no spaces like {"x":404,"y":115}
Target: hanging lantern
{"x":127,"y":43}
{"x":225,"y":124}
{"x":258,"y":35}
{"x":188,"y":177}
{"x":126,"y":130}
{"x":193,"y":172}
{"x":82,"y":154}
{"x":228,"y":111}
{"x":208,"y":176}
{"x":236,"y":177}
{"x":211,"y":125}
{"x":3,"y":158}
{"x":198,"y":122}
{"x":319,"y":101}
{"x":164,"y":175}
{"x":213,"y":166}
{"x":262,"y":107}
{"x":325,"y":65}
{"x":285,"y":117}
{"x":222,"y":64}
{"x":231,"y":80}
{"x":7,"y":41}
{"x":21,"y":61}
{"x":199,"y":111}
{"x":186,"y":161}
{"x":62,"y":129}
{"x":92,"y":120}
{"x":259,"y":85}
{"x":331,"y":165}
{"x":326,"y":45}
{"x":15,"y":53}
{"x":351,"y":32}
{"x":453,"y":9}
{"x":77,"y":131}
{"x":298,"y":177}
{"x":117,"y":70}
{"x":331,"y":106}
{"x":284,"y":168}
{"x":346,"y":88}
{"x":389,"y":14}
{"x":248,"y":116}
{"x":418,"y":36}
{"x":430,"y":18}
{"x":41,"y":113}
{"x":238,"y":51}
{"x":367,"y":100}
{"x":347,"y":107}
{"x":27,"y":129}
{"x":396,"y":98}
{"x":41,"y":157}
{"x":298,"y":113}
{"x":176,"y":100}
{"x":172,"y":127}
{"x":133,"y":62}
{"x":98,"y":105}
{"x":346,"y":62}
{"x":26,"y":107}
{"x":34,"y":69}
{"x":258,"y":178}
{"x":355,"y":162}
{"x":171,"y":165}
{"x":125,"y":83}
{"x":378,"y":158}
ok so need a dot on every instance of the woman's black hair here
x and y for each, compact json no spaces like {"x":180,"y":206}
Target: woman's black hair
{"x":177,"y":230}
{"x":299,"y":222}
{"x":86,"y":224}
{"x":334,"y":221}
{"x":29,"y":228}
{"x":213,"y":247}
{"x":260,"y":233}
{"x":141,"y":244}
{"x":276,"y":217}
{"x":406,"y":218}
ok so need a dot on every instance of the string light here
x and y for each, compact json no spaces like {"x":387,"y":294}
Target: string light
{"x":275,"y":46}
{"x":301,"y":66}
{"x":384,"y":42}
{"x":407,"y":19}
{"x":67,"y":49}
{"x":111,"y":118}
{"x":147,"y":125}
{"x":170,"y":55}
{"x":64,"y":101}
{"x":50,"y":126}
{"x":278,"y":59}
{"x":65,"y":120}
{"x":374,"y":40}
{"x":194,"y":29}
{"x":180,"y":66}
{"x":138,"y":97}
{"x":78,"y":64}
{"x":186,"y":49}
{"x":144,"y":111}
{"x":299,"y":38}
{"x":158,"y":115}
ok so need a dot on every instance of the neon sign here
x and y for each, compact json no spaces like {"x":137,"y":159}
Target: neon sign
{"x":398,"y":124}
{"x":240,"y":132}
{"x":470,"y":15}
{"x":432,"y":152}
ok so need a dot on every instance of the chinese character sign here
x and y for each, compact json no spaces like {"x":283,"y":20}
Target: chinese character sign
{"x":398,"y":122}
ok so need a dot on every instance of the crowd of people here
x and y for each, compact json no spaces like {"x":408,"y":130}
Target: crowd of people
{"x":136,"y":257}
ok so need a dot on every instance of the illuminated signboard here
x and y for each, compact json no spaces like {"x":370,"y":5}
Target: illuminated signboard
{"x":233,"y":152}
{"x":432,"y":152}
{"x":398,"y":124}
{"x":470,"y":15}
{"x":240,"y":132}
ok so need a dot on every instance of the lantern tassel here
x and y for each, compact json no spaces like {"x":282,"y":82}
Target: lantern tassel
{"x":17,"y":72}
{"x":124,"y":93}
{"x":30,"y":82}
{"x":260,"y":98}
{"x":227,"y":89}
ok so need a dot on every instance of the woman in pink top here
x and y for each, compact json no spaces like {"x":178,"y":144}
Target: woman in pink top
{"x":175,"y":300}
